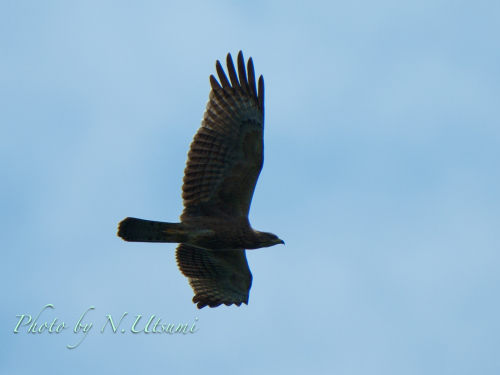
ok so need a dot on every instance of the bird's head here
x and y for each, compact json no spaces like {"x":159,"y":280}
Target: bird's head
{"x":269,"y":239}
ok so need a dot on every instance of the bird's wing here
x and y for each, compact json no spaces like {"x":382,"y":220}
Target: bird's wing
{"x":217,"y":277}
{"x":227,"y":152}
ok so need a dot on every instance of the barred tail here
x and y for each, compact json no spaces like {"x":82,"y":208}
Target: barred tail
{"x":138,"y":230}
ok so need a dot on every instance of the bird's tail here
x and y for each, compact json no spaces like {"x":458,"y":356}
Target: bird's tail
{"x":138,"y":230}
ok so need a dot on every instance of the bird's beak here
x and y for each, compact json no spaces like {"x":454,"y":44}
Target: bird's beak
{"x":281,"y":241}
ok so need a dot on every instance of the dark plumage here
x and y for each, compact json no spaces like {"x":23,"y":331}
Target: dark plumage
{"x":224,"y":163}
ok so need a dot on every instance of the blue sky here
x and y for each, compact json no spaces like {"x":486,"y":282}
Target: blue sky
{"x":381,"y":174}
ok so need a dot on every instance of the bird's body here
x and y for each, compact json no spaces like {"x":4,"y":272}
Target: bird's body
{"x":214,"y":234}
{"x":224,"y":163}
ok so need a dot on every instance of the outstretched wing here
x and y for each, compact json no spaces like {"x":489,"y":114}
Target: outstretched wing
{"x":217,"y":277}
{"x":227,"y":152}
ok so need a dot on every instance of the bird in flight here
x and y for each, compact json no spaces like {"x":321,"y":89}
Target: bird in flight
{"x":224,"y":163}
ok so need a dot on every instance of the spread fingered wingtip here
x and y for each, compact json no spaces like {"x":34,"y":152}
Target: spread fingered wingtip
{"x":240,"y":77}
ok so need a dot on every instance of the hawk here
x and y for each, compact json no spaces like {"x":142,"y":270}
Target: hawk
{"x":224,"y":163}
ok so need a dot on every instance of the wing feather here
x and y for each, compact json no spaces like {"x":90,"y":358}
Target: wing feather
{"x":232,"y":72}
{"x":261,"y":92}
{"x":214,"y":83}
{"x":216,"y":277}
{"x":251,"y":77}
{"x":222,"y":76}
{"x":242,"y":73}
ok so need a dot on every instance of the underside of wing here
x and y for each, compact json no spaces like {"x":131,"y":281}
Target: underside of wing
{"x":227,"y":152}
{"x":217,"y":277}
